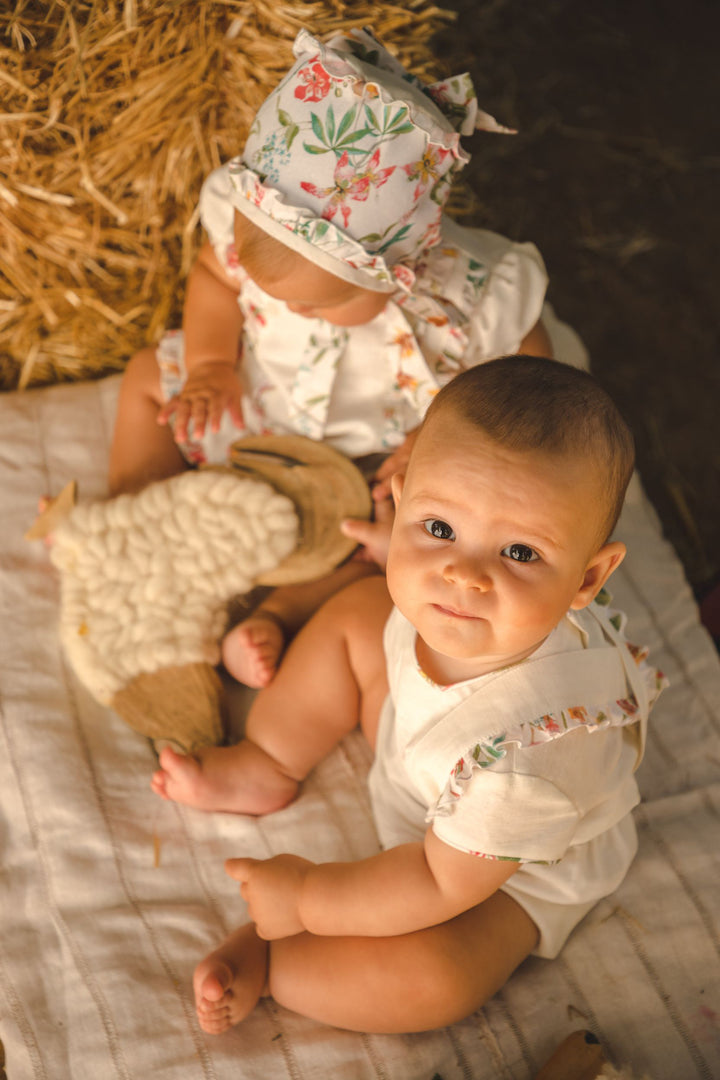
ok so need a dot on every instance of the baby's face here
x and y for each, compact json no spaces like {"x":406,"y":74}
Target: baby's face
{"x":313,"y":292}
{"x":316,"y":294}
{"x":490,"y":547}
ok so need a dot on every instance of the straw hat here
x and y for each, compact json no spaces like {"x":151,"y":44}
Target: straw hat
{"x":324,"y":486}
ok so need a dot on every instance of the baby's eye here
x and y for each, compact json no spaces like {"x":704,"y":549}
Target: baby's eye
{"x":439,"y":529}
{"x":520,"y":553}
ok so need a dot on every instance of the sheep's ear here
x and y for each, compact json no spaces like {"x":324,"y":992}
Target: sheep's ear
{"x":55,"y":511}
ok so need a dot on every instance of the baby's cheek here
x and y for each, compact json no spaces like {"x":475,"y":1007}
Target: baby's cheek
{"x":551,"y":607}
{"x":390,"y":570}
{"x":532,"y":605}
{"x":359,"y":311}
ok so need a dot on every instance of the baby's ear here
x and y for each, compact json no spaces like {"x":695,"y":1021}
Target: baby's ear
{"x":598,"y":570}
{"x":397,"y":482}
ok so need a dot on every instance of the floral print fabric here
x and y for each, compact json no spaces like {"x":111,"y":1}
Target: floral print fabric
{"x":352,"y":155}
{"x":540,"y":784}
{"x":644,"y":684}
{"x":363,"y":388}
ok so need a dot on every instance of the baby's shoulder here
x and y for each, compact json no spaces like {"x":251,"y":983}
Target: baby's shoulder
{"x":473,"y":244}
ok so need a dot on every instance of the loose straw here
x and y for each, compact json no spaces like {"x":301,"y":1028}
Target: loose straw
{"x":110,"y":116}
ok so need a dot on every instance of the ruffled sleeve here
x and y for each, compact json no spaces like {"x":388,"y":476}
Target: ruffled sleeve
{"x":498,"y":286}
{"x":483,"y":808}
{"x":494,"y":812}
{"x":217,"y":215}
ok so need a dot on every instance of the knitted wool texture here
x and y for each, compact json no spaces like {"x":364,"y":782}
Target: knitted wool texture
{"x":145,"y":579}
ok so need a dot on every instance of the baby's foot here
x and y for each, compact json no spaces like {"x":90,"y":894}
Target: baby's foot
{"x":252,"y":650}
{"x":236,"y":779}
{"x":229,"y":982}
{"x":206,"y":780}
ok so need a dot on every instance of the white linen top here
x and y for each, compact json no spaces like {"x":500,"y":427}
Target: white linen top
{"x":521,"y":763}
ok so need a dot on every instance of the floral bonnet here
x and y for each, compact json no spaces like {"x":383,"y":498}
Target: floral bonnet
{"x":350,"y":159}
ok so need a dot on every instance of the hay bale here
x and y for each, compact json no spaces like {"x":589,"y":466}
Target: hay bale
{"x":111,"y":116}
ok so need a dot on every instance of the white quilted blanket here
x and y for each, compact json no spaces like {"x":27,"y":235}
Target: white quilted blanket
{"x":109,"y":896}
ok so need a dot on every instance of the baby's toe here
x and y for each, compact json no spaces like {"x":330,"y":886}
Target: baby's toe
{"x":157,"y":784}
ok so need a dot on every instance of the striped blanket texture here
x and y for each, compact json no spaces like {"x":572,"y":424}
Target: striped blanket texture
{"x":109,"y":896}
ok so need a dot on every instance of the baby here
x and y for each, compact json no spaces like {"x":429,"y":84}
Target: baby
{"x":506,"y":711}
{"x":333,"y":298}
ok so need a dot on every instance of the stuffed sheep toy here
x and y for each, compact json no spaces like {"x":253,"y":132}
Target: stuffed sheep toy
{"x":145,"y":579}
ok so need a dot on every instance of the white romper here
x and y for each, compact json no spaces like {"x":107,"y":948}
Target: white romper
{"x":534,"y":762}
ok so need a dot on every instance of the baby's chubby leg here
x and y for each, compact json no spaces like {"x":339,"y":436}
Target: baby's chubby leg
{"x":142,"y":451}
{"x":332,"y":677}
{"x":361,"y":983}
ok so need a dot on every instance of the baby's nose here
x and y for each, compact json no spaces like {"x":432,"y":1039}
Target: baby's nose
{"x":470,"y":573}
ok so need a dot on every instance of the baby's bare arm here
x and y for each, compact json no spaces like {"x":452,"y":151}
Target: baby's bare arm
{"x":537,"y":342}
{"x":407,"y":888}
{"x":212,"y":320}
{"x":404,"y":889}
{"x":212,"y":326}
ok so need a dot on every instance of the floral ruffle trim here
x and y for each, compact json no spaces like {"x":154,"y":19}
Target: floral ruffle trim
{"x":322,"y":234}
{"x":544,"y":729}
{"x":512,"y":858}
{"x":416,"y":291}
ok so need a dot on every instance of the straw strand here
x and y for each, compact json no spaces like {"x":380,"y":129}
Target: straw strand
{"x":111,"y":114}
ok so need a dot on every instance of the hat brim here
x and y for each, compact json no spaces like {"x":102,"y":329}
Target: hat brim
{"x":324,"y":486}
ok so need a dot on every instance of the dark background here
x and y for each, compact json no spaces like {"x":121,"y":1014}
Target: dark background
{"x":614,"y":175}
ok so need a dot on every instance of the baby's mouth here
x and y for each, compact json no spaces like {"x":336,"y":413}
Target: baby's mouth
{"x":456,"y":613}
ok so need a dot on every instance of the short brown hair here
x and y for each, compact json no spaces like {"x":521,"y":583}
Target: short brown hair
{"x":258,"y":251}
{"x":530,"y":403}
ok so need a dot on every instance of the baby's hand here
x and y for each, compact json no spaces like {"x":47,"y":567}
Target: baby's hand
{"x":271,"y":888}
{"x":396,"y":463}
{"x":373,"y":535}
{"x":211,"y":388}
